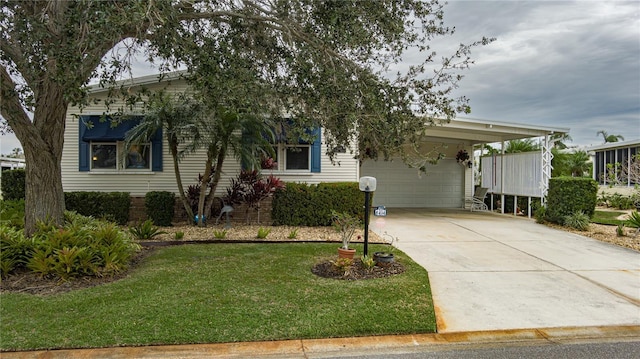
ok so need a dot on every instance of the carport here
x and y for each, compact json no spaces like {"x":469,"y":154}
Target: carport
{"x":445,"y":184}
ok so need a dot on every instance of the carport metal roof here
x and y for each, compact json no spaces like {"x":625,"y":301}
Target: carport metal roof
{"x":482,"y":131}
{"x":474,"y":131}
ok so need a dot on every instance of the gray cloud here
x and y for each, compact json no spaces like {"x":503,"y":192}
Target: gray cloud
{"x":561,"y":64}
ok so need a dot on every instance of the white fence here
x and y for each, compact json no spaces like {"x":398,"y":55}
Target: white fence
{"x":522,"y":174}
{"x":522,"y":177}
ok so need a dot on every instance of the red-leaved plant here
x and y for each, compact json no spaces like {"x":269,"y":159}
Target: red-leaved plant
{"x":251,"y":188}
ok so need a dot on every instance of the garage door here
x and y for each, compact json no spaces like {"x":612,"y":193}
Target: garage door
{"x":400,"y":186}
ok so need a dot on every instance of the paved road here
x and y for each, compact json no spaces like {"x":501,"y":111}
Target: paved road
{"x":623,"y":350}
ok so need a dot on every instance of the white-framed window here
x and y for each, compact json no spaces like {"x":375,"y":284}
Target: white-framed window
{"x":112,"y":156}
{"x":297,"y":158}
{"x":289,"y":158}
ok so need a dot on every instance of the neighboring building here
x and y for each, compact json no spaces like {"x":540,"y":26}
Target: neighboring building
{"x":10,"y":163}
{"x":617,"y":155}
{"x":94,"y":159}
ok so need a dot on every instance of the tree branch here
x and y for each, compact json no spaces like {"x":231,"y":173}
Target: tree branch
{"x":55,"y":10}
{"x":12,"y":110}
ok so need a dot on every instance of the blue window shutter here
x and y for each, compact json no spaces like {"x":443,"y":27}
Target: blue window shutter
{"x":156,"y":152}
{"x":83,"y":146}
{"x":102,"y":131}
{"x":316,"y":151}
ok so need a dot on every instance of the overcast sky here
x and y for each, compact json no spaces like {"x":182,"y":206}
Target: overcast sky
{"x":563,"y":64}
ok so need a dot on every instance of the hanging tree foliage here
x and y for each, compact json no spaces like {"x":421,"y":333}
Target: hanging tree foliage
{"x":323,"y":62}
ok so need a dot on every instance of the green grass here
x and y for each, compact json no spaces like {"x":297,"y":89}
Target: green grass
{"x":607,"y":217}
{"x":222,"y":293}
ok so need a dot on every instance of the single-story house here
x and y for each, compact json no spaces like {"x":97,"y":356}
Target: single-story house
{"x":91,"y":160}
{"x":617,"y":155}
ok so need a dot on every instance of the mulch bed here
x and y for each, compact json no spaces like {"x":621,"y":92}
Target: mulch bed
{"x":32,"y":283}
{"x":357,"y":271}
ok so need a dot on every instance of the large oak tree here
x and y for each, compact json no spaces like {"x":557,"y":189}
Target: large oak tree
{"x":325,"y":63}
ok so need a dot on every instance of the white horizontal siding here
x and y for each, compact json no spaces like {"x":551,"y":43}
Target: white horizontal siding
{"x":344,"y":169}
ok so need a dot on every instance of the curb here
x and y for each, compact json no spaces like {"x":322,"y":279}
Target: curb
{"x":303,"y":348}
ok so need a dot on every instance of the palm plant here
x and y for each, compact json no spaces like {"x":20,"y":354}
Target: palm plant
{"x":223,"y":132}
{"x":578,"y":163}
{"x":610,"y":138}
{"x":177,"y":116}
{"x":560,"y":139}
{"x":525,"y":145}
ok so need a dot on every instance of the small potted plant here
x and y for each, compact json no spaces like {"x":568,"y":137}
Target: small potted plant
{"x":383,"y":259}
{"x":346,"y":224}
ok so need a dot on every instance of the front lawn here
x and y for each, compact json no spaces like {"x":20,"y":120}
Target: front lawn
{"x":213,"y":293}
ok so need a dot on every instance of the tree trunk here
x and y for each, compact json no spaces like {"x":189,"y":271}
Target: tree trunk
{"x":42,"y":141}
{"x":173,"y":148}
{"x":204,"y":184}
{"x":214,"y":185}
{"x":44,"y":196}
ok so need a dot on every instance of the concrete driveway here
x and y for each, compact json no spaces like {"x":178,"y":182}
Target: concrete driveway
{"x":492,"y":272}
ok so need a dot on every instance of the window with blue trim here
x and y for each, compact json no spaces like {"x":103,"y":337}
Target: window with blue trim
{"x":101,"y":147}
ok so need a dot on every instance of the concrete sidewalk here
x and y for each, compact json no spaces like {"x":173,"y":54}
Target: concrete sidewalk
{"x":496,"y":272}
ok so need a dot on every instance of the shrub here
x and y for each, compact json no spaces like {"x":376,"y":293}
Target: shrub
{"x":106,"y":205}
{"x":569,"y":195}
{"x":12,"y":213}
{"x":344,"y":197}
{"x":301,"y":204}
{"x":602,"y":199}
{"x":219,"y":234}
{"x":145,"y":230}
{"x":342,"y":265}
{"x":634,"y":220}
{"x":368,"y":262}
{"x":251,"y":188}
{"x":13,"y":184}
{"x":82,"y":247}
{"x":14,"y":249}
{"x":263,"y":233}
{"x":159,"y":206}
{"x":577,"y":220}
{"x":293,"y":205}
{"x":619,"y":201}
{"x":539,"y":214}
